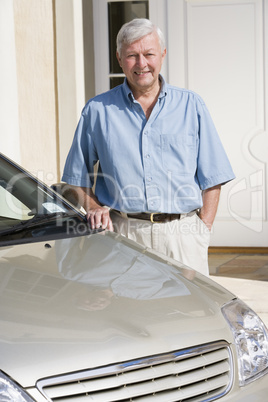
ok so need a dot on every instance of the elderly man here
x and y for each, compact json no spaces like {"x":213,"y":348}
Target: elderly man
{"x":161,"y":162}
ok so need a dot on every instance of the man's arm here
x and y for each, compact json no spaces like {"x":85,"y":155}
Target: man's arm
{"x":97,"y":215}
{"x":211,"y":198}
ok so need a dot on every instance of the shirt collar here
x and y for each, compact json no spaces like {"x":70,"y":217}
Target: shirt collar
{"x":163,"y":91}
{"x":129,"y":94}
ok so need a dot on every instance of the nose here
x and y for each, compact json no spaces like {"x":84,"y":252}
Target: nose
{"x":141,"y":61}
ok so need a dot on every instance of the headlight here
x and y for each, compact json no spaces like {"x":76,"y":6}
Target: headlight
{"x":251,"y":340}
{"x":10,"y":391}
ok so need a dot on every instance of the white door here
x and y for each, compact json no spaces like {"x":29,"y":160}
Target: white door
{"x":220,"y":54}
{"x":218,"y":48}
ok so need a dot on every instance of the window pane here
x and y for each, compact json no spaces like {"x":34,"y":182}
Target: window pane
{"x":114,"y":81}
{"x":120,"y":12}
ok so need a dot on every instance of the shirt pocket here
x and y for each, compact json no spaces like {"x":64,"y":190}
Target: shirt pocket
{"x":178,"y":153}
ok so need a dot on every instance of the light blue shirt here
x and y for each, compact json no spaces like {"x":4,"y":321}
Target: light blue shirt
{"x":155,"y":165}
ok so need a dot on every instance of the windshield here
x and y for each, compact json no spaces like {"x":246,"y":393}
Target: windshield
{"x":24,"y":201}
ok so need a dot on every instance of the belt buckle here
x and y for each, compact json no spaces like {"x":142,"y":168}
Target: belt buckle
{"x":152,"y":216}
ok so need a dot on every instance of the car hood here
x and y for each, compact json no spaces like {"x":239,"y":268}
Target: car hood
{"x":85,"y":302}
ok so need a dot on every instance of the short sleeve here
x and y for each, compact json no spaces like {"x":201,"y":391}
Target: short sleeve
{"x":213,"y":166}
{"x":79,"y":166}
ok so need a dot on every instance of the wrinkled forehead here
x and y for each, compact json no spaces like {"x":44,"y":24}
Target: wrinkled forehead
{"x":145,"y":43}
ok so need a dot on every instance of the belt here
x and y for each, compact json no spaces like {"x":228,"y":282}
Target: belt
{"x":155,"y":217}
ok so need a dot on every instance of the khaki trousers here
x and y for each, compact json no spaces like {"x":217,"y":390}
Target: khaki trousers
{"x":185,"y":240}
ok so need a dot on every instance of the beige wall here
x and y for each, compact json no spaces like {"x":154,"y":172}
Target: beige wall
{"x":75,"y":75}
{"x":9,"y":118}
{"x":45,"y":80}
{"x":75,"y":66}
{"x":37,"y":95}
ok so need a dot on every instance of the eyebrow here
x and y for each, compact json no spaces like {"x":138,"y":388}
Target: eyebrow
{"x":146,"y":51}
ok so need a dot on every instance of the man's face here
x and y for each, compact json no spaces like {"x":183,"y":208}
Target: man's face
{"x":141,"y":62}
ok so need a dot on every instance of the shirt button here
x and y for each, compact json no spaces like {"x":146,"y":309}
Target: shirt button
{"x":149,"y":179}
{"x":148,"y":156}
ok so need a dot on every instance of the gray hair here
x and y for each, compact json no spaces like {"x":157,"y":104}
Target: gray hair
{"x":135,"y":30}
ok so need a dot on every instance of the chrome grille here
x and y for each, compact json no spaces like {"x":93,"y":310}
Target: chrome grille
{"x":202,"y":373}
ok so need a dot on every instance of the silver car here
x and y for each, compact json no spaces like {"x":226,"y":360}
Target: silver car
{"x":91,"y":316}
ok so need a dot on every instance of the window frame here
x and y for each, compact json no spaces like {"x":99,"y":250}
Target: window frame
{"x":157,"y":14}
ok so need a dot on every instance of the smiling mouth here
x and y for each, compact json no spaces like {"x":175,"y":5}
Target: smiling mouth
{"x":142,"y":73}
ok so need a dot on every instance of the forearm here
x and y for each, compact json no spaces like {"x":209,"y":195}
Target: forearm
{"x":88,"y":199}
{"x":80,"y":196}
{"x":211,"y":198}
{"x":97,"y":214}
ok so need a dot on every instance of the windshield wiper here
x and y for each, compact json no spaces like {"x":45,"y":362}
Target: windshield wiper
{"x":36,"y":220}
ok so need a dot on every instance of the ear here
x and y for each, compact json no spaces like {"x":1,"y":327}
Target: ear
{"x":119,"y":59}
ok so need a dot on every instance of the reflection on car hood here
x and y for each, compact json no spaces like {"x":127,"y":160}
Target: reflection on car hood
{"x":102,"y":299}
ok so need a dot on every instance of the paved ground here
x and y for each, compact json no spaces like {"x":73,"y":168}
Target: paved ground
{"x":239,"y":265}
{"x":252,"y":292}
{"x":245,"y":275}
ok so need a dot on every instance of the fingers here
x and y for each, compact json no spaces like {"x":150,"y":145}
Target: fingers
{"x":100,"y":217}
{"x":110,"y":225}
